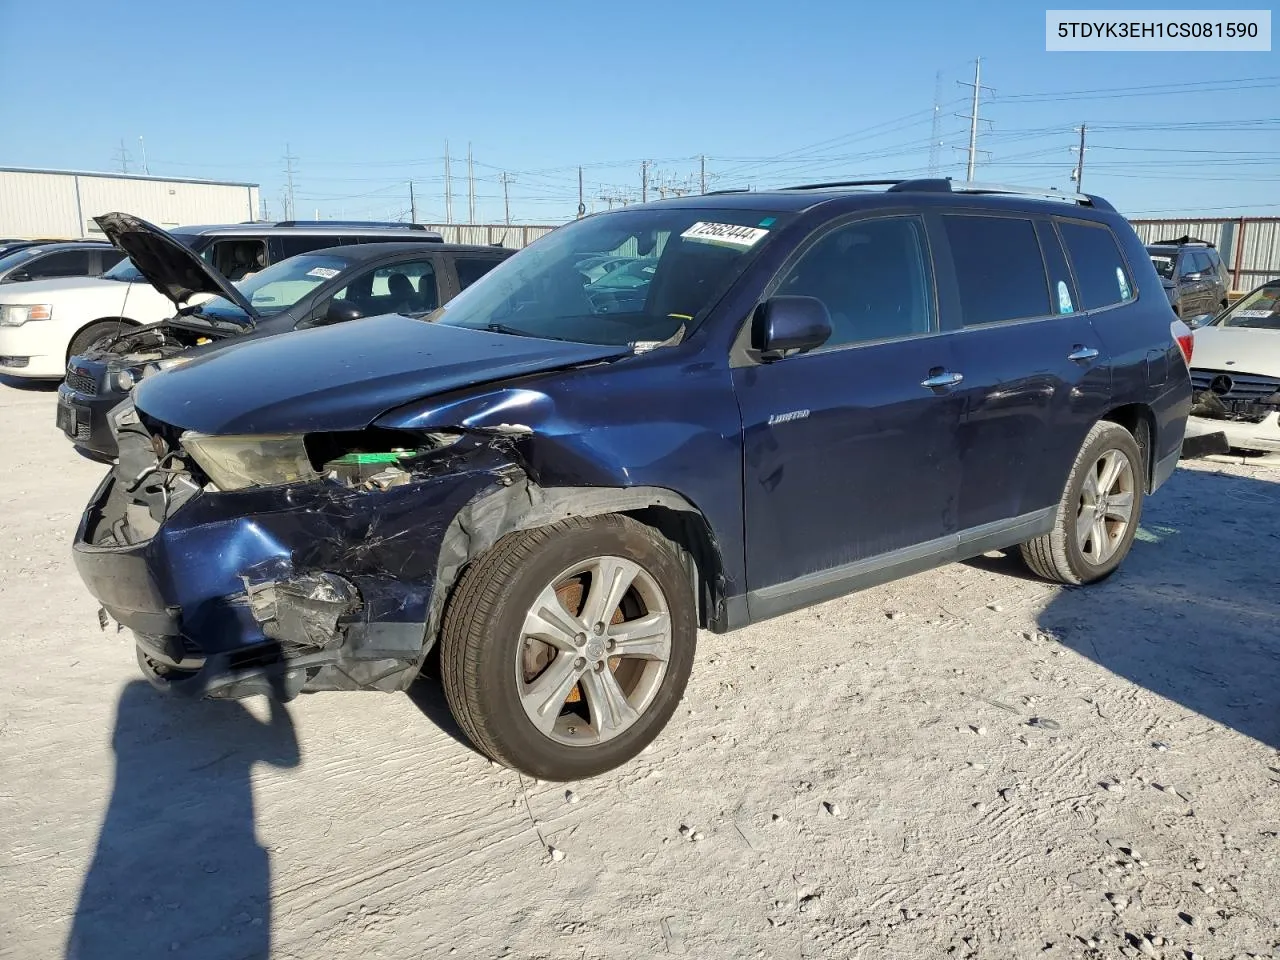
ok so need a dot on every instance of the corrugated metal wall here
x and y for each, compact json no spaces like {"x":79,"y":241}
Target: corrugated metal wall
{"x":1249,"y":246}
{"x":512,"y":236}
{"x":53,"y":204}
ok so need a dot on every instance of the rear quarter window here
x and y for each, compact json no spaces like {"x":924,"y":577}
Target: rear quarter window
{"x":999,"y":268}
{"x":472,"y":269}
{"x":1102,"y":276}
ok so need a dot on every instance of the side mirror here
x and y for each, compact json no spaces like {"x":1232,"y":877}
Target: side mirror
{"x":339,"y":311}
{"x":18,"y":276}
{"x":783,"y":325}
{"x":1199,"y":320}
{"x":1191,"y":276}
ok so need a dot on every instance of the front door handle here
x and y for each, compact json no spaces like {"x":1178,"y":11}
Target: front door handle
{"x":942,"y":380}
{"x":1082,"y":354}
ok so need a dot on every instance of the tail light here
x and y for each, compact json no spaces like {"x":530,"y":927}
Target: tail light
{"x":1186,"y":339}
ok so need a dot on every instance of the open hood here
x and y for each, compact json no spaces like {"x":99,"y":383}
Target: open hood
{"x":169,"y":265}
{"x":344,"y":376}
{"x":1248,"y":350}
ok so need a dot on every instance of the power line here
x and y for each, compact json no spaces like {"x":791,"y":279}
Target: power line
{"x":288,"y":169}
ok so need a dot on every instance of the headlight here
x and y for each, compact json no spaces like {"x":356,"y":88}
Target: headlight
{"x":124,"y":380}
{"x":234,"y":463}
{"x":16,"y":314}
{"x":172,"y":362}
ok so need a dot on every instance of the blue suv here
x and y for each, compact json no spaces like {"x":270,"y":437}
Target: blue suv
{"x":552,"y":485}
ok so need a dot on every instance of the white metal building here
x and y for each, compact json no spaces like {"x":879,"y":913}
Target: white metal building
{"x":61,"y":203}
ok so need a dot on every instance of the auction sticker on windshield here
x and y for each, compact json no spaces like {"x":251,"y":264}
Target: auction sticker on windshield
{"x":324,"y":273}
{"x":728,"y":234}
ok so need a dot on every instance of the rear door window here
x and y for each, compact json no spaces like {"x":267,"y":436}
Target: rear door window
{"x":1102,"y":277}
{"x":472,"y":269}
{"x":999,"y":268}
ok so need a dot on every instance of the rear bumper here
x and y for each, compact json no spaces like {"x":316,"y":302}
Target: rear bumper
{"x":265,"y":590}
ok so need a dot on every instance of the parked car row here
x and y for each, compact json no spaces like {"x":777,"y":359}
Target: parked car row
{"x":554,"y":477}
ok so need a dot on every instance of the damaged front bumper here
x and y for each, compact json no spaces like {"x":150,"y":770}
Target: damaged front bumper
{"x":272,"y":590}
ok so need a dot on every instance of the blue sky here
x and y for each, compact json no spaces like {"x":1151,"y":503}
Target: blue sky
{"x":366,"y":94}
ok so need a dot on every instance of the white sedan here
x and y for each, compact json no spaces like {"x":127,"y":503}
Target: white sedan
{"x":1236,"y":373}
{"x":43,"y":322}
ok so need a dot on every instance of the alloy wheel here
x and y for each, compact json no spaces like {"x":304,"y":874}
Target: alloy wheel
{"x":1106,"y":507}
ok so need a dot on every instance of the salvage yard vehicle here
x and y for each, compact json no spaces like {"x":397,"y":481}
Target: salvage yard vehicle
{"x":824,"y":388}
{"x":43,"y":323}
{"x":328,"y":286}
{"x":45,"y":261}
{"x":1236,"y":374}
{"x":1192,"y":274}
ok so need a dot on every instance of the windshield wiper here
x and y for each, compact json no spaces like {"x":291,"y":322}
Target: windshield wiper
{"x":503,"y":328}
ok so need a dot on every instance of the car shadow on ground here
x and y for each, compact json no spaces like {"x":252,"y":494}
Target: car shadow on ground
{"x":427,"y":694}
{"x":180,"y":825}
{"x":1191,"y":614}
{"x":34,"y":386}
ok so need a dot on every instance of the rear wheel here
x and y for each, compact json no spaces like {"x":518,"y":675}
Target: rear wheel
{"x":95,"y":334}
{"x":566,"y":649}
{"x":1098,"y":515}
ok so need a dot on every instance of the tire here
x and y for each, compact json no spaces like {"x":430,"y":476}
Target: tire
{"x":496,"y":653}
{"x":91,"y":335}
{"x":1060,"y":555}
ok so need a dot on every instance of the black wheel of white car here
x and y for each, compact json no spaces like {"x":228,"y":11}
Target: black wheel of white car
{"x":1099,"y":512}
{"x":95,"y":334}
{"x":565,"y":649}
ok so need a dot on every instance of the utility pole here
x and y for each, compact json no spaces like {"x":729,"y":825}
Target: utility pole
{"x":702,"y":173}
{"x":123,"y":157}
{"x":413,"y":205}
{"x":288,"y":171}
{"x":448,"y":186}
{"x":471,"y":189}
{"x":935,"y":135}
{"x":506,"y":196}
{"x":973,"y":115}
{"x":582,"y":207}
{"x":146,"y":168}
{"x":644,"y":181}
{"x":1078,"y":174}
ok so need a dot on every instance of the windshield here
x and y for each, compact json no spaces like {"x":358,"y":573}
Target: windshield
{"x":679,"y":263}
{"x":1163,"y":264}
{"x":11,"y":260}
{"x":281,"y":285}
{"x":1260,"y":309}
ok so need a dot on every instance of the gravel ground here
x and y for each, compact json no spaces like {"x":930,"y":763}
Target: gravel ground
{"x":967,"y":763}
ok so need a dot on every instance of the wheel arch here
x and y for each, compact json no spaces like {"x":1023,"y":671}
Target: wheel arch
{"x":518,"y":504}
{"x":1140,"y":420}
{"x":122,"y":321}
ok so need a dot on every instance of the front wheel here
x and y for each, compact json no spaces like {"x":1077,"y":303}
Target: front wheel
{"x":565,"y":650}
{"x":1098,"y":515}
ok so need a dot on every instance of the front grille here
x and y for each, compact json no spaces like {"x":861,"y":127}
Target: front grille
{"x":82,"y":383}
{"x":1242,"y":386}
{"x":14,"y":361}
{"x":82,"y":432}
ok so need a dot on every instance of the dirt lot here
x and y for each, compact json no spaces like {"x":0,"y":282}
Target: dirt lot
{"x":968,"y":763}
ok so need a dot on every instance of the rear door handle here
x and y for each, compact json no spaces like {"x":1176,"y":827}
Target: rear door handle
{"x":1081,"y":354}
{"x":942,"y":380}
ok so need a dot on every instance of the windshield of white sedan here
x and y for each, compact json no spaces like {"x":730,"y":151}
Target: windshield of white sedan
{"x":620,"y":278}
{"x":1259,"y":309}
{"x":281,"y":285}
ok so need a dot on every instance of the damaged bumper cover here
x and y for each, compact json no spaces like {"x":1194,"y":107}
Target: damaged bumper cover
{"x":272,"y":589}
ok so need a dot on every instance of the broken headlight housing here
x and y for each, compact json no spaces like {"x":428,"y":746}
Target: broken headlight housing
{"x":237,"y":462}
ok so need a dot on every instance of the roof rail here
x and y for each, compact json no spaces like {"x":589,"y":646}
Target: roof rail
{"x":935,"y":185}
{"x":830,"y":185}
{"x":720,"y":193}
{"x":385,"y":224}
{"x":1183,"y":241}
